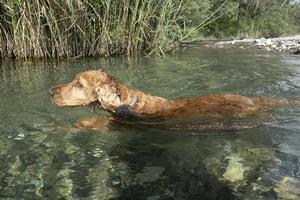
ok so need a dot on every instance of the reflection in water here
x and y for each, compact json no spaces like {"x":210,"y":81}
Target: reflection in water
{"x":42,"y":155}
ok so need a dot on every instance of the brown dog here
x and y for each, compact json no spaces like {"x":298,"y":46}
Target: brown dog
{"x":98,"y":88}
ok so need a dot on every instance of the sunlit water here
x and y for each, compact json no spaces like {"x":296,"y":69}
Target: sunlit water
{"x":42,"y":155}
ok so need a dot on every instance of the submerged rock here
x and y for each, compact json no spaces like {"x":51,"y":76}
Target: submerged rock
{"x":263,"y":154}
{"x":288,"y":188}
{"x":70,"y":149}
{"x":14,"y":168}
{"x":65,"y":188}
{"x":65,"y":184}
{"x":150,"y":174}
{"x":98,"y":179}
{"x":235,"y":170}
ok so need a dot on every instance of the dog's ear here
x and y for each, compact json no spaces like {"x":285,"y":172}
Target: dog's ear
{"x":107,"y":92}
{"x":108,"y":97}
{"x":102,"y":78}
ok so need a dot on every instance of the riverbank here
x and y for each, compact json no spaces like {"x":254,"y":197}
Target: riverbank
{"x":283,"y":44}
{"x":46,"y":29}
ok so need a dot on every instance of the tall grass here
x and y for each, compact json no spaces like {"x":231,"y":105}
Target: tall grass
{"x":243,"y":18}
{"x":75,"y":28}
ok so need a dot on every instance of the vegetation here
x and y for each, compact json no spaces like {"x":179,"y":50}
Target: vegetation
{"x":255,"y":18}
{"x":75,"y":28}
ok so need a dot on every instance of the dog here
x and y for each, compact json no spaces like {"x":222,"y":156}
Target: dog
{"x":98,"y":89}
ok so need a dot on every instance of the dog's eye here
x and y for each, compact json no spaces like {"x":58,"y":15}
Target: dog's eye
{"x":78,"y":84}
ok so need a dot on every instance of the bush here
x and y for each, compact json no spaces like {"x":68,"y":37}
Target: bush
{"x":243,"y":18}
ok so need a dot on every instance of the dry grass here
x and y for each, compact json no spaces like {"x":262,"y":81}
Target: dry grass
{"x":80,"y":28}
{"x":76,"y":28}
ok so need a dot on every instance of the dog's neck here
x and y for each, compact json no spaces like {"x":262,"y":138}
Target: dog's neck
{"x":141,"y":103}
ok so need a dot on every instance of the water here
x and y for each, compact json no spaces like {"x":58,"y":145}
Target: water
{"x":42,"y":155}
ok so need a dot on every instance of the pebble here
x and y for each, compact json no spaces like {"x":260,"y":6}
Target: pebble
{"x":282,"y":44}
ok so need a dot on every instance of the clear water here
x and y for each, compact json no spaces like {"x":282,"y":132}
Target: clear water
{"x":42,"y":155}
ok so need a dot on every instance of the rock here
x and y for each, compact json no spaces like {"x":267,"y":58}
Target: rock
{"x":149,"y":174}
{"x":48,"y":129}
{"x":269,"y":42}
{"x":14,"y":168}
{"x":154,"y":197}
{"x":20,"y":135}
{"x":288,"y":189}
{"x":282,"y":44}
{"x":38,"y":137}
{"x":101,"y":180}
{"x":297,"y":52}
{"x":283,"y":47}
{"x":65,"y":183}
{"x":234,"y":171}
{"x":257,"y":41}
{"x":261,"y":153}
{"x":65,"y":188}
{"x":70,"y":149}
{"x":261,"y":43}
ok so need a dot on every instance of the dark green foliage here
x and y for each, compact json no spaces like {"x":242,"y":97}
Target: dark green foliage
{"x":246,"y":18}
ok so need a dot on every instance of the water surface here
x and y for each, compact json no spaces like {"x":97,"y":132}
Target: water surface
{"x":42,"y":155}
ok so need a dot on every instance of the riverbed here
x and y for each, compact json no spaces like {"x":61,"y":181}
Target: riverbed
{"x":43,"y":156}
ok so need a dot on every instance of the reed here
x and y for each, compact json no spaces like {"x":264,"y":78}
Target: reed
{"x":81,"y":28}
{"x":76,"y":28}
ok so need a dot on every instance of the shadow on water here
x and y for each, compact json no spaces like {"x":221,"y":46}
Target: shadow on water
{"x":148,"y":166}
{"x":151,"y":164}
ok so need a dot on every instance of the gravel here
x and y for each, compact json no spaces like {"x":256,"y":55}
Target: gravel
{"x":283,"y":44}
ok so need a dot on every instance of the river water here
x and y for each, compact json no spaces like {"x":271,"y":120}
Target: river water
{"x":42,"y":155}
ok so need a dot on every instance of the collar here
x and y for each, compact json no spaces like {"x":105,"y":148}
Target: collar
{"x":132,"y":101}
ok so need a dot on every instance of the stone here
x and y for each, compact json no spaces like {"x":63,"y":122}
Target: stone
{"x":269,"y":42}
{"x":149,"y":174}
{"x":70,"y":149}
{"x":288,"y":188}
{"x":65,"y":188}
{"x":14,"y":168}
{"x":282,"y":44}
{"x":234,"y":171}
{"x":283,"y":47}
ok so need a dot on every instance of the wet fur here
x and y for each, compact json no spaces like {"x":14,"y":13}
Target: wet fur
{"x":97,"y":86}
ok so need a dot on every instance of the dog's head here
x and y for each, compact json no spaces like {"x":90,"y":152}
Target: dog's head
{"x":88,"y":87}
